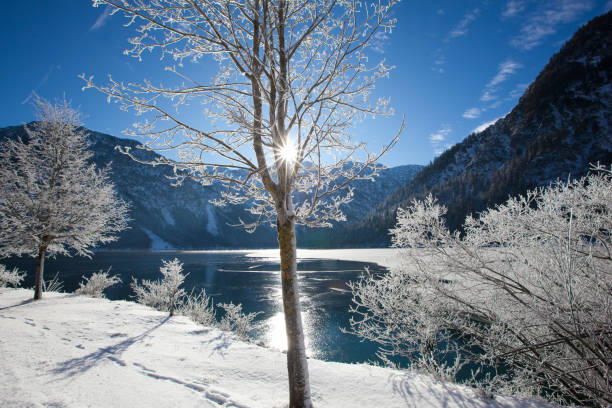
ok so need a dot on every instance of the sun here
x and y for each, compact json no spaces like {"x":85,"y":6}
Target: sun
{"x":288,"y":152}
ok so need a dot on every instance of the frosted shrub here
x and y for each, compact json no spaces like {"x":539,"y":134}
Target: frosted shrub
{"x":528,"y":285}
{"x":97,"y":283}
{"x":53,"y":285}
{"x":237,"y":321}
{"x":199,"y":308}
{"x":10,"y":277}
{"x":399,"y":312}
{"x":165,"y":294}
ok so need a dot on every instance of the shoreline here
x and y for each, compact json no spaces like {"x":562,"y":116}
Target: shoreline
{"x":385,"y":257}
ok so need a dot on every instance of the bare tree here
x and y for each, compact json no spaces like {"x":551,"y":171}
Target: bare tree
{"x":294,"y":77}
{"x":52,"y":200}
{"x":528,"y":285}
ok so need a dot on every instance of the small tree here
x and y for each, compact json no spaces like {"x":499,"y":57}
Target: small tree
{"x":164,"y":294}
{"x":95,"y":285}
{"x":52,"y":199}
{"x":293,"y":78}
{"x":529,"y":283}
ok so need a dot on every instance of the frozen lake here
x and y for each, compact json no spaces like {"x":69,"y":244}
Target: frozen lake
{"x":251,"y":278}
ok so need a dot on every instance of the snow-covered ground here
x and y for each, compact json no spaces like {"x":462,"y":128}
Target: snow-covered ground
{"x":72,"y":351}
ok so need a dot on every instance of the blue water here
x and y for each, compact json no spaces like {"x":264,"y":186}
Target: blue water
{"x":234,"y":277}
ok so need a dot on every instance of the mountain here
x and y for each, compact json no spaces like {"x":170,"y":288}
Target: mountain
{"x":561,"y":124}
{"x":167,"y":217}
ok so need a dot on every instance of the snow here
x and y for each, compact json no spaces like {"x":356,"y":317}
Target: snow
{"x":167,"y":216}
{"x":69,"y":350}
{"x":211,"y":224}
{"x":157,"y":243}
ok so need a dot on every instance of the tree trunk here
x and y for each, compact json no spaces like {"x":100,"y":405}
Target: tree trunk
{"x":297,"y":366}
{"x":40,"y":266}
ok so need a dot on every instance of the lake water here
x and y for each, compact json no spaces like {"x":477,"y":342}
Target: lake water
{"x":231,"y":276}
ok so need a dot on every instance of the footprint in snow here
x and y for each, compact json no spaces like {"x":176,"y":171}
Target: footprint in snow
{"x":117,"y":360}
{"x":143,"y":367}
{"x":220,"y":398}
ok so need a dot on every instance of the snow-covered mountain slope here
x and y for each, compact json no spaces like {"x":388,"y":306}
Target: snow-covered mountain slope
{"x":167,"y":217}
{"x":561,"y":124}
{"x":71,"y":351}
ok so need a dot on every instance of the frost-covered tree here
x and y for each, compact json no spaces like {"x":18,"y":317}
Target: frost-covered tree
{"x":165,"y":294}
{"x":529,"y":284}
{"x":97,"y":283}
{"x":52,"y":199}
{"x":294,"y":78}
{"x":11,"y":277}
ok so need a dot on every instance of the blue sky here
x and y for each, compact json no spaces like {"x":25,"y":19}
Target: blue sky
{"x":459,"y":64}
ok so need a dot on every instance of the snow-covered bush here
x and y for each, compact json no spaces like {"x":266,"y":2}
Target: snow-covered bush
{"x":97,"y":283}
{"x":10,"y":277}
{"x":236,"y":320}
{"x":199,"y":308}
{"x":164,"y":294}
{"x":527,"y":287}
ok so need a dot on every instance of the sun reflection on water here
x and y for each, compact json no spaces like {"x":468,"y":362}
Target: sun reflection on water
{"x":276,"y":334}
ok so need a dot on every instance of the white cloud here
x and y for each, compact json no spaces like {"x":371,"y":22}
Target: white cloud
{"x":101,"y":20}
{"x":485,"y":125}
{"x":608,"y":6}
{"x":514,"y":7}
{"x":505,"y":70}
{"x":462,"y":28}
{"x":440,"y":135}
{"x":544,"y":21}
{"x":441,"y":11}
{"x":488,"y":95}
{"x":438,"y":139}
{"x":471,"y":113}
